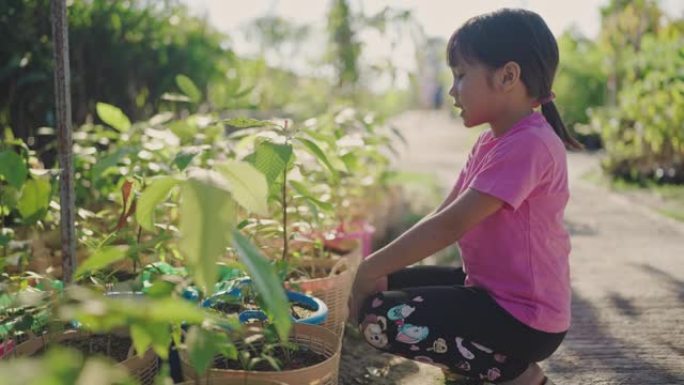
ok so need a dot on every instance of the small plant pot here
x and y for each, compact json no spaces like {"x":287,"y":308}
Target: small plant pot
{"x":319,"y":315}
{"x":144,"y":367}
{"x":315,"y":338}
{"x":234,"y":381}
{"x":334,"y":291}
{"x":318,"y":308}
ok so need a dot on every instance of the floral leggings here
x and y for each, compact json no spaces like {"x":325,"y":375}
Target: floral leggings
{"x":429,"y":316}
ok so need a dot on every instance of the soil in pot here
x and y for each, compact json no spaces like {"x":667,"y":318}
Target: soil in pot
{"x":110,"y":345}
{"x":302,"y":357}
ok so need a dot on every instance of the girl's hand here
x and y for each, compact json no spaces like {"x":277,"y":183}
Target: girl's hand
{"x":364,"y":286}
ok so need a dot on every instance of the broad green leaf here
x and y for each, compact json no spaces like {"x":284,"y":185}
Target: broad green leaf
{"x":172,"y":310}
{"x":203,"y":346}
{"x":13,"y":168}
{"x":160,"y":289}
{"x":141,"y":338}
{"x":155,"y":334}
{"x":303,"y":191}
{"x":318,"y":153}
{"x":351,"y":161}
{"x":271,"y":159}
{"x":206,"y":219}
{"x":34,"y":200}
{"x":247,"y":184}
{"x":113,"y":116}
{"x":189,"y":88}
{"x":101,"y":258}
{"x":247,"y":123}
{"x":185,"y":130}
{"x":266,"y":282}
{"x":153,"y":195}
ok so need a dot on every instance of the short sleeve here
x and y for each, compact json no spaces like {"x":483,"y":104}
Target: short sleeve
{"x":513,"y":169}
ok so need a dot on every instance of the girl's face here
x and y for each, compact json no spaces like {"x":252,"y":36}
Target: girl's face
{"x":472,"y":92}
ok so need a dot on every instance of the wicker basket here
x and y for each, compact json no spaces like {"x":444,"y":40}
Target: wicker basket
{"x":334,"y":291}
{"x":316,"y":338}
{"x":233,"y":381}
{"x":144,"y":368}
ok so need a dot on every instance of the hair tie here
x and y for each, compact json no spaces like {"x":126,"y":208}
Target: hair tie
{"x":548,"y":99}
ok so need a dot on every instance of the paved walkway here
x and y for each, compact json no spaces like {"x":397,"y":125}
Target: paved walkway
{"x":627,"y":272}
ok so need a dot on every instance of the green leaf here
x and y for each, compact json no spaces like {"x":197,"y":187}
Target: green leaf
{"x":301,"y":189}
{"x":113,"y":116}
{"x":247,"y":184}
{"x":266,"y":282}
{"x":247,"y":123}
{"x":101,"y":258}
{"x":141,"y":338}
{"x":186,"y":129}
{"x":183,"y":158}
{"x":351,"y":161}
{"x":202,"y":348}
{"x":109,"y":162}
{"x":156,"y":334}
{"x":34,"y":200}
{"x":172,"y":310}
{"x":153,"y":195}
{"x":318,"y":153}
{"x":13,"y":168}
{"x":189,"y":88}
{"x":160,"y":289}
{"x":271,"y":159}
{"x":206,"y":219}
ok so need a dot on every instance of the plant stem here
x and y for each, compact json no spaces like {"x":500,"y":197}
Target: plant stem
{"x":135,"y":261}
{"x":2,"y":222}
{"x":284,"y":196}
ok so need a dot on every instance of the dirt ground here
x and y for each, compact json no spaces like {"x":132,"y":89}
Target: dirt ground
{"x":627,"y":276}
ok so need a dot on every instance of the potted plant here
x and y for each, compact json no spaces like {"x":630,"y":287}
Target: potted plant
{"x":309,"y":356}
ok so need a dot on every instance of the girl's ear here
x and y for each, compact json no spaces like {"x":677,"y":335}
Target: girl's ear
{"x":508,"y":76}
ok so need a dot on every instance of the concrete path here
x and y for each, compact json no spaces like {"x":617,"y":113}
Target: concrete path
{"x":627,"y":272}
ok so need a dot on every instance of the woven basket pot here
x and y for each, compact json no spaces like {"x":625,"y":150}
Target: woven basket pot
{"x":144,"y":368}
{"x":333,"y":290}
{"x":316,"y":338}
{"x":233,"y":381}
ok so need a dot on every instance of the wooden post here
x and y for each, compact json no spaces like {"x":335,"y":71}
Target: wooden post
{"x":60,"y":39}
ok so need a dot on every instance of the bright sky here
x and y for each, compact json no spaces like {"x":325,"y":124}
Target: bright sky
{"x":438,"y":17}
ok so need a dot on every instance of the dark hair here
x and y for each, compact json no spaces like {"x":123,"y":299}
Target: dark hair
{"x":521,"y":36}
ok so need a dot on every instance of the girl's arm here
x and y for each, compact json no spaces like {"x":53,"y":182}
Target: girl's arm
{"x":435,"y":232}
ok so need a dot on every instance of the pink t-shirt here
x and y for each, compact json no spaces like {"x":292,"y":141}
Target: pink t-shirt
{"x":520,"y":253}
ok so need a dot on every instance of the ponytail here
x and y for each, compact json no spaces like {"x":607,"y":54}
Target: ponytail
{"x":553,"y":117}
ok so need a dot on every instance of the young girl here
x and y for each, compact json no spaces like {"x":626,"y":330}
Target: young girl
{"x":508,"y":307}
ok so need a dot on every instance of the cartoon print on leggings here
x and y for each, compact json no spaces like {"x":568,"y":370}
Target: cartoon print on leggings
{"x":374,"y":329}
{"x":439,"y":346}
{"x":467,"y":354}
{"x":406,"y":332}
{"x":400,"y":312}
{"x":412,"y":334}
